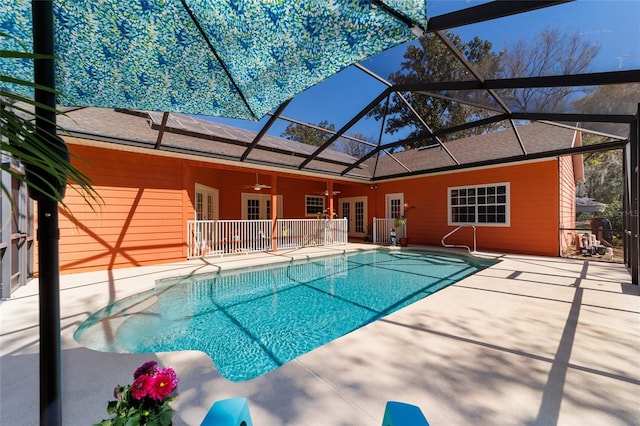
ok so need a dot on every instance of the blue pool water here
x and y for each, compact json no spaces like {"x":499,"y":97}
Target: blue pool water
{"x":253,"y":322}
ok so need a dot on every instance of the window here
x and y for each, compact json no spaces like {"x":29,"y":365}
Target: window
{"x":314,"y":205}
{"x":479,"y":205}
{"x":395,"y":208}
{"x":394,"y":205}
{"x":253,"y":209}
{"x":206,"y":203}
{"x":359,"y":216}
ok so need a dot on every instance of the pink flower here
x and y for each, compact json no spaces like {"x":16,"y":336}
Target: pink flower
{"x":141,"y":387}
{"x":161,"y":386}
{"x":172,"y":374}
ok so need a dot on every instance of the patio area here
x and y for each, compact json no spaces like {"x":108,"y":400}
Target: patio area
{"x":529,"y":341}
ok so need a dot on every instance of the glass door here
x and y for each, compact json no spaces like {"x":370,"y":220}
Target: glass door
{"x":355,"y":211}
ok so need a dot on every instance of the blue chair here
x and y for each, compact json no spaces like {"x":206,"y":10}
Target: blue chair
{"x":401,"y":414}
{"x":228,"y":412}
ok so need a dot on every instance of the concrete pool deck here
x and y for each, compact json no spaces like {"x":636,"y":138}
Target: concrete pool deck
{"x":529,"y":341}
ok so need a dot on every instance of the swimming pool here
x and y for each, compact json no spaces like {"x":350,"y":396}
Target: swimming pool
{"x":253,"y":322}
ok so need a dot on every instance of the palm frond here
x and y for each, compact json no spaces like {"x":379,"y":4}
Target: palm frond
{"x":49,"y":169}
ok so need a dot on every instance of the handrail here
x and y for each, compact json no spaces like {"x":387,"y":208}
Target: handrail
{"x":456,"y":245}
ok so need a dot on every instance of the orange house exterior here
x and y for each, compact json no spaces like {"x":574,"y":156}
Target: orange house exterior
{"x":148,"y":197}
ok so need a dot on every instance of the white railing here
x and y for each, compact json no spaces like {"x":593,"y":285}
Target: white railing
{"x":459,"y":245}
{"x":208,"y":238}
{"x":382,"y":230}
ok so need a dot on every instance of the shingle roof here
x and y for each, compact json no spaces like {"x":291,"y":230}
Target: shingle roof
{"x":200,"y":137}
{"x":503,"y":144}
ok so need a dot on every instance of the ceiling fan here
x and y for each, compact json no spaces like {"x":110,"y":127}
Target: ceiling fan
{"x":326,"y":192}
{"x":258,"y":186}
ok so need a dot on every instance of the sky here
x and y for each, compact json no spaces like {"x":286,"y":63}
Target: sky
{"x":611,"y":24}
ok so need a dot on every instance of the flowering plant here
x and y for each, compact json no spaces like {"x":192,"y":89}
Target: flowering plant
{"x":402,"y":219}
{"x":146,"y":400}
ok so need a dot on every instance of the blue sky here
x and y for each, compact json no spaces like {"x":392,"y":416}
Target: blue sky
{"x":611,"y":24}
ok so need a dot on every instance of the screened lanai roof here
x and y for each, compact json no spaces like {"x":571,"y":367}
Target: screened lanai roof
{"x":360,"y":103}
{"x":353,"y":101}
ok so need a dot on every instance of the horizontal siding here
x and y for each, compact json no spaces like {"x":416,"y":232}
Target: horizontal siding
{"x":534,"y":208}
{"x":567,"y":203}
{"x":140,"y":220}
{"x":148,"y":199}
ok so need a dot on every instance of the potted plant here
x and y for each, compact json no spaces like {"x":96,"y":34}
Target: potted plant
{"x":400,"y":222}
{"x":146,"y":400}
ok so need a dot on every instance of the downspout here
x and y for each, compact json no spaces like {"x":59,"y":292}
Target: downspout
{"x":274,"y":213}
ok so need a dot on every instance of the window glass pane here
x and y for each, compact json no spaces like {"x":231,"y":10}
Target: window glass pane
{"x":395,"y":208}
{"x":359,"y":206}
{"x":199,"y":206}
{"x":315,"y":205}
{"x":479,"y":204}
{"x":253,"y":209}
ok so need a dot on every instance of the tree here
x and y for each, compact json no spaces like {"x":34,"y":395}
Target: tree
{"x":603,"y":175}
{"x":355,"y":148}
{"x":550,"y":52}
{"x":603,"y":170}
{"x":431,"y":61}
{"x":311,"y":135}
{"x":614,"y":99}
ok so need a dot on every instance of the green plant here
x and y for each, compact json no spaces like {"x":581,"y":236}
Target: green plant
{"x":48,"y":169}
{"x":613,"y":212}
{"x":402,"y":219}
{"x":146,"y":400}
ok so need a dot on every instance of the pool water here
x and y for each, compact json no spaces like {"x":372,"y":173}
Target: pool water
{"x":251,"y":323}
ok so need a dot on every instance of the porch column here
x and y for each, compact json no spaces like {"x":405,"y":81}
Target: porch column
{"x":330,"y":195}
{"x":274,"y":213}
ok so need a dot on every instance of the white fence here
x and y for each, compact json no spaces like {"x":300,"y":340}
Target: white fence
{"x":207,"y":238}
{"x":382,"y":230}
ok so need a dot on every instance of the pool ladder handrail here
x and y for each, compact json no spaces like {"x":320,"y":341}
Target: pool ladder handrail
{"x":456,"y":245}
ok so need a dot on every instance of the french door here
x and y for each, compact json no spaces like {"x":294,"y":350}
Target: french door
{"x":206,"y":203}
{"x":258,"y":206}
{"x":355,"y":210}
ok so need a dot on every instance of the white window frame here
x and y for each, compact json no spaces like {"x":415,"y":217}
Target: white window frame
{"x":507,"y":204}
{"x":307,"y":213}
{"x":390,"y":214}
{"x":207,"y":193}
{"x":353,"y":215}
{"x":263,"y":199}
